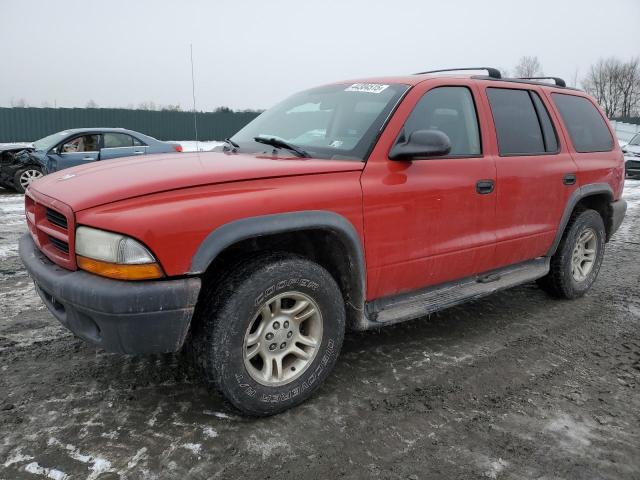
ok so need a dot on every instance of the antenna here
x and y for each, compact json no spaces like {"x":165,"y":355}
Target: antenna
{"x":193,"y":93}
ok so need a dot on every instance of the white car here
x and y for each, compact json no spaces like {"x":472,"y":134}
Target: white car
{"x":631,"y":153}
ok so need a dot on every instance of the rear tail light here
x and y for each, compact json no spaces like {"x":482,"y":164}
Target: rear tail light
{"x":177,"y":148}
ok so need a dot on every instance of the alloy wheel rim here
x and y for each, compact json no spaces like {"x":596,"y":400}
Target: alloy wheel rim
{"x":283,"y":339}
{"x":584,"y":253}
{"x":28,"y":176}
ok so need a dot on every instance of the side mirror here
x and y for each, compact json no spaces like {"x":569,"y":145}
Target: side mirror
{"x":422,"y":143}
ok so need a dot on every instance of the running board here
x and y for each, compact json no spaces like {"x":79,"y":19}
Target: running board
{"x":407,"y":306}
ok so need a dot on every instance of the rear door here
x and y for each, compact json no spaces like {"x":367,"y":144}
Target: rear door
{"x":139,"y":147}
{"x":536,"y":173}
{"x":116,"y":145}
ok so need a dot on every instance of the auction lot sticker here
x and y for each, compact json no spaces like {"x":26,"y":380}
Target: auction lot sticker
{"x":366,"y":87}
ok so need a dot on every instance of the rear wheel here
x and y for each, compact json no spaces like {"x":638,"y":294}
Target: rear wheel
{"x":270,"y":335}
{"x":25,"y":176}
{"x":576,"y":263}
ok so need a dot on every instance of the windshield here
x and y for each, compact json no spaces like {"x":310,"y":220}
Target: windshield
{"x":635,"y":140}
{"x":45,"y":144}
{"x":336,"y":121}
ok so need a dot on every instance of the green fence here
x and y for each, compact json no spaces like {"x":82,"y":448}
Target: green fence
{"x":29,"y":124}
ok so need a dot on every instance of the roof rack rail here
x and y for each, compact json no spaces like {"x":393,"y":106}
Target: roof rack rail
{"x":557,"y":80}
{"x":493,"y":72}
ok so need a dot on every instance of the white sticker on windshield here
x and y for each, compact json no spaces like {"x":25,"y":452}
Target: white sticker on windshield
{"x":367,"y":87}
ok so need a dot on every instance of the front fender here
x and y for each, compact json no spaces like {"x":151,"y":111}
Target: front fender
{"x":236,"y":231}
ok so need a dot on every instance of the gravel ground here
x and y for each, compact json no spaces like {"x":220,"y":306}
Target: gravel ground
{"x":513,"y":386}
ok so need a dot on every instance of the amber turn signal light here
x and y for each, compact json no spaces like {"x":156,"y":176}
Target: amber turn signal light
{"x":144,"y":271}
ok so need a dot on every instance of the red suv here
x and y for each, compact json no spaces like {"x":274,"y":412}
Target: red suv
{"x":353,"y":205}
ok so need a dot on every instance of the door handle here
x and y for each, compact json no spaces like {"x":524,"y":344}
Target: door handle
{"x":139,"y":153}
{"x":483,"y":187}
{"x":569,"y":179}
{"x":88,"y":158}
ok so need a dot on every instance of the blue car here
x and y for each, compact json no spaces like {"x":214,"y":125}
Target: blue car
{"x":22,"y":164}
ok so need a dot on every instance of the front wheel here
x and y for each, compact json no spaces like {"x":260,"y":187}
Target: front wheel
{"x":271,"y":335}
{"x":576,"y":263}
{"x":23,"y":177}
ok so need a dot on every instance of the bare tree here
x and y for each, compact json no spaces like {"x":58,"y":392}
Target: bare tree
{"x":171,"y":108}
{"x":629,"y":86}
{"x":19,"y":103}
{"x":528,"y":67}
{"x":91,"y":104}
{"x":574,"y":78}
{"x":603,"y":83}
{"x":148,"y":105}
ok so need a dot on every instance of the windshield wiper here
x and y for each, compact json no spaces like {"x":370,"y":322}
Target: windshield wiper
{"x":279,"y":143}
{"x":233,"y":144}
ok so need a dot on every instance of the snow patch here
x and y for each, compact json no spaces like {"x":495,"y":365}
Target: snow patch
{"x":193,"y":447}
{"x":209,"y":432}
{"x":193,"y":146}
{"x":222,"y":415}
{"x":137,"y":457}
{"x":266,"y":448}
{"x":573,"y":436}
{"x":496,"y":467}
{"x":52,"y":473}
{"x":17,"y":457}
{"x":98,"y":465}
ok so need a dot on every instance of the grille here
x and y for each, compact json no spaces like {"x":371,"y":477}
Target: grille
{"x":635,"y":164}
{"x":51,"y":226}
{"x":56,"y":218}
{"x":59,"y":244}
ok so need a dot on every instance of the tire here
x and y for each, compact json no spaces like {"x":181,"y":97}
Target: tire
{"x":25,"y":176}
{"x":232,"y":316}
{"x":564,"y":280}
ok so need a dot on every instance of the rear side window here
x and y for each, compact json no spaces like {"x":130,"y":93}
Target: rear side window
{"x":117,"y":140}
{"x":586,"y":127}
{"x":522,"y":122}
{"x":450,"y":110}
{"x":548,"y":132}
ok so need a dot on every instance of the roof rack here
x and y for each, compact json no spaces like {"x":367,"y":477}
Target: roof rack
{"x":558,"y":81}
{"x":493,"y":72}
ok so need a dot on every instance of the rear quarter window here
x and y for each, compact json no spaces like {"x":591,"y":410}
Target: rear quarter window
{"x":586,"y":127}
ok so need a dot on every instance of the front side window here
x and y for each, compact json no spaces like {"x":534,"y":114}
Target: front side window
{"x":450,"y":110}
{"x":117,"y":140}
{"x":586,"y":127}
{"x":336,"y":121}
{"x":85,"y":143}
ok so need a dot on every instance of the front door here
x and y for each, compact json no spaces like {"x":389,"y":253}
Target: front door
{"x":431,"y":220}
{"x":79,"y":150}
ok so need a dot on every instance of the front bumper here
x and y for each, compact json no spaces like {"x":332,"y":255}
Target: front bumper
{"x":632,"y":165}
{"x":119,"y":316}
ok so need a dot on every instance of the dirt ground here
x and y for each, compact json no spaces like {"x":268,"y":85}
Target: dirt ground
{"x":513,"y":386}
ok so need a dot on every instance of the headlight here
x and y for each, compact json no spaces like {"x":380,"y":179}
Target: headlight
{"x":115,"y":256}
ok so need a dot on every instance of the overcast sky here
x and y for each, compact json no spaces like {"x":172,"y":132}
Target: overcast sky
{"x":251,"y":54}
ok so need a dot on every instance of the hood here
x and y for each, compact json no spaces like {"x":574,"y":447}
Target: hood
{"x":15,"y":147}
{"x":632,"y":148}
{"x":113,"y":180}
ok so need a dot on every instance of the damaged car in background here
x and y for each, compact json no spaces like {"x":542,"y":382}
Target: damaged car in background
{"x":21,"y":164}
